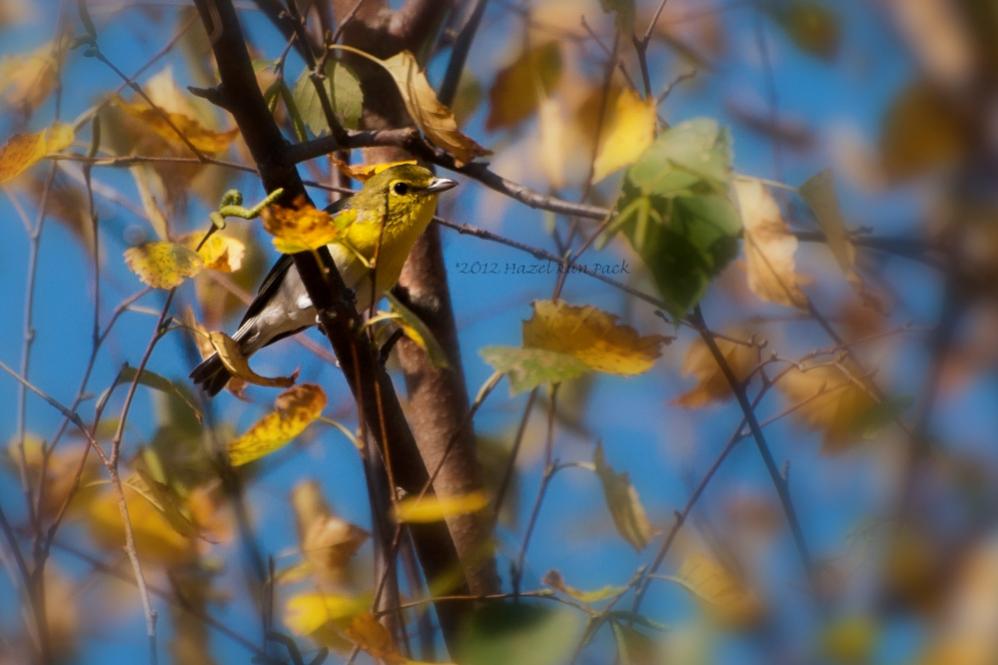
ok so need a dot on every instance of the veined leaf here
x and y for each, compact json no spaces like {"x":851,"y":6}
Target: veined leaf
{"x":294,"y":410}
{"x":220,"y":252}
{"x":344,"y":94}
{"x":529,"y":368}
{"x":22,"y":151}
{"x":165,"y":125}
{"x":163,"y":264}
{"x":304,"y":228}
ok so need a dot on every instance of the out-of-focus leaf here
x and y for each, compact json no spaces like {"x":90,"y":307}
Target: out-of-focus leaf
{"x":322,"y":616}
{"x":634,"y":647}
{"x":220,"y":252}
{"x":832,"y":401}
{"x":342,"y":90}
{"x":156,"y":541}
{"x":553,"y":140}
{"x":522,"y":84}
{"x":163,"y":264}
{"x":676,"y":213}
{"x":437,"y":508}
{"x":921,"y":132}
{"x":364,"y":171}
{"x":712,"y":385}
{"x":592,"y":336}
{"x":232,"y":357}
{"x":529,"y":368}
{"x":623,"y":14}
{"x":165,"y":124}
{"x":67,"y":202}
{"x":850,"y":640}
{"x":294,"y":410}
{"x":770,"y":248}
{"x":152,"y":380}
{"x":625,"y":506}
{"x":327,"y":542}
{"x":628,"y":130}
{"x":468,"y":97}
{"x":303,"y":228}
{"x":722,"y":594}
{"x":939,"y":34}
{"x":61,"y":468}
{"x":27,"y":79}
{"x":812,"y":25}
{"x":501,"y":633}
{"x":370,"y":636}
{"x":416,"y":330}
{"x":164,"y":499}
{"x":554,"y":580}
{"x":819,"y":194}
{"x":22,"y":151}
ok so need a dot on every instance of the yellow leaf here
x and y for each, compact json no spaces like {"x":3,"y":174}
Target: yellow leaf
{"x":832,"y":402}
{"x":362,"y":172}
{"x":521,"y":85}
{"x":327,"y":542}
{"x":303,"y":228}
{"x":164,"y":499}
{"x":628,"y":129}
{"x":435,"y":509}
{"x":165,"y":125}
{"x":712,"y":385}
{"x":27,"y":79}
{"x":417,"y":331}
{"x":294,"y":410}
{"x":819,"y":193}
{"x":23,"y":150}
{"x":722,"y":594}
{"x":553,"y":152}
{"x":163,"y":264}
{"x":850,"y":640}
{"x":769,"y":246}
{"x":591,"y":336}
{"x":156,"y":541}
{"x":220,"y":252}
{"x":368,"y":634}
{"x":625,"y":506}
{"x":433,"y":118}
{"x":554,"y":580}
{"x":309,"y":613}
{"x":232,"y":357}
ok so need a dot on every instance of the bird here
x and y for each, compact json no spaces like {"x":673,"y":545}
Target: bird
{"x":384,"y":220}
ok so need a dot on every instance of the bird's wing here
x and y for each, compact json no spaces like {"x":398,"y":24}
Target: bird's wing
{"x":272,"y":282}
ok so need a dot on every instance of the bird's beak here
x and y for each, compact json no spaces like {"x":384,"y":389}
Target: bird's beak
{"x":438,"y":185}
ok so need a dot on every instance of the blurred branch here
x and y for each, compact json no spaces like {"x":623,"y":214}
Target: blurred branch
{"x":459,"y":53}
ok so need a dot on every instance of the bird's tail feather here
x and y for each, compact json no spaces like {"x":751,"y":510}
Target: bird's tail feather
{"x":211,"y":374}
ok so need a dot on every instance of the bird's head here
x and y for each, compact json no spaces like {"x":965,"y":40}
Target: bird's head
{"x":405,"y":187}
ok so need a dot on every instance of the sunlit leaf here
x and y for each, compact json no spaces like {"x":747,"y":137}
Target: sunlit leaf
{"x":302,"y":228}
{"x":164,"y":499}
{"x":27,"y":79}
{"x":435,"y":508}
{"x":166,"y":124}
{"x":529,"y":368}
{"x":691,"y":155}
{"x":627,"y":131}
{"x":342,"y":90}
{"x":521,"y":85}
{"x":554,"y":580}
{"x":22,"y":151}
{"x":592,"y":336}
{"x":770,"y":248}
{"x":712,"y":385}
{"x":501,"y":633}
{"x":232,"y":357}
{"x":833,"y":402}
{"x":163,"y":264}
{"x":417,"y":331}
{"x":152,"y":380}
{"x":220,"y":252}
{"x":294,"y":410}
{"x":156,"y":541}
{"x":308,"y":613}
{"x":723,"y":595}
{"x":625,"y":506}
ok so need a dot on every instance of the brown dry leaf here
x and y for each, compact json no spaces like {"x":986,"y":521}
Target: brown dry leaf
{"x":435,"y":509}
{"x":722,"y":594}
{"x":362,"y":172}
{"x":552,"y":154}
{"x":625,"y":506}
{"x":165,"y":125}
{"x":834,"y":402}
{"x":232,"y":357}
{"x":22,"y":151}
{"x":712,"y":385}
{"x":769,"y":246}
{"x":220,"y":252}
{"x":938,"y":36}
{"x":303,"y":228}
{"x":592,"y":336}
{"x":156,"y":541}
{"x":163,"y":264}
{"x":327,"y":542}
{"x":628,"y":129}
{"x":294,"y":410}
{"x":27,"y":79}
{"x":433,"y":118}
{"x":522,"y":84}
{"x":370,"y":636}
{"x":921,"y":132}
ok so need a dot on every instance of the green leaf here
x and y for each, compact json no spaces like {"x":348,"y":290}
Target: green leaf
{"x":526,"y":634}
{"x":810,"y":24}
{"x":625,"y":506}
{"x":417,"y":330}
{"x":529,"y":368}
{"x":676,"y":211}
{"x":343,"y":90}
{"x":633,"y":646}
{"x":156,"y":382}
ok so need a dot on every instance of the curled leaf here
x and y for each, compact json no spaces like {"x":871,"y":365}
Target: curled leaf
{"x":721,"y":592}
{"x":220,"y":252}
{"x":303,"y":228}
{"x":232,"y":357}
{"x":166,"y":125}
{"x":437,"y":508}
{"x":625,"y":506}
{"x":294,"y":410}
{"x":163,"y":264}
{"x":712,"y":385}
{"x":23,"y":150}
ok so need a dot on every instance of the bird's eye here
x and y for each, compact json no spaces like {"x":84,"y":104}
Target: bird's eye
{"x":400,"y":188}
